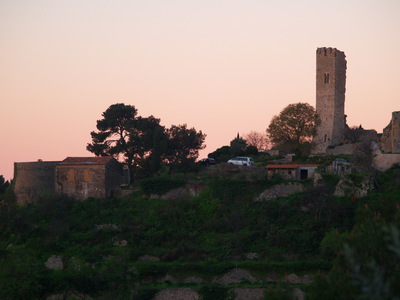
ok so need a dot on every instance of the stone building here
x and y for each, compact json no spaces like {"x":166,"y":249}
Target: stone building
{"x":77,"y":177}
{"x":390,"y":141}
{"x":330,"y":97}
{"x":292,"y":171}
{"x":33,"y":179}
{"x":83,"y":177}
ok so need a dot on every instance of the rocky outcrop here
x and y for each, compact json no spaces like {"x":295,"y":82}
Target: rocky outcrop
{"x":346,"y":187}
{"x":106,"y":227}
{"x":235,"y":276}
{"x":294,"y":279}
{"x":248,"y":293}
{"x":148,"y":258}
{"x":75,"y":263}
{"x":72,"y":295}
{"x":191,"y":189}
{"x":168,"y":278}
{"x":298,"y":294}
{"x":178,"y":193}
{"x":193,"y":279}
{"x":317,"y":179}
{"x":280,"y":190}
{"x":251,"y":256}
{"x":54,"y":263}
{"x":178,"y":293}
{"x":171,"y":279}
{"x":122,"y":243}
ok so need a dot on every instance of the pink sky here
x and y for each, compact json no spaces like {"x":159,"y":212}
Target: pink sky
{"x":223,"y":67}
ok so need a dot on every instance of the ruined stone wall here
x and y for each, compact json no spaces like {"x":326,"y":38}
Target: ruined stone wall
{"x":330,"y":97}
{"x":384,"y":161}
{"x":33,"y":179}
{"x":390,"y":141}
{"x":81,"y":181}
{"x":342,"y":149}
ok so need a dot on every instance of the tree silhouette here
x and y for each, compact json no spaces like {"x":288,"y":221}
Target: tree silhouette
{"x":125,"y":136}
{"x":295,"y":125}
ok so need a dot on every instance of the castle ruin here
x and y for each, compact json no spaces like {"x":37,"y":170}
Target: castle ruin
{"x":390,"y":141}
{"x":333,"y":135}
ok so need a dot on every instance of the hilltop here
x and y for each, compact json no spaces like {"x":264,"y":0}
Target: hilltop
{"x":205,"y":234}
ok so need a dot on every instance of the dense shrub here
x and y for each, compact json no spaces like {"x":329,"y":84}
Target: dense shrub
{"x":367,"y":264}
{"x":145,"y":293}
{"x":229,"y":190}
{"x":213,"y":292}
{"x":160,"y":185}
{"x":208,"y":235}
{"x":331,"y":179}
{"x":251,"y":150}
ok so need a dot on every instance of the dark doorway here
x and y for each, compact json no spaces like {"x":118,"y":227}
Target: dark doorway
{"x":303,"y":174}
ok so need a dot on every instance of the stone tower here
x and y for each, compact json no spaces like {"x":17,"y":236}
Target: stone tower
{"x":331,"y":88}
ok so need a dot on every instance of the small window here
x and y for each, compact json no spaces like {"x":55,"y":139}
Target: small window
{"x":71,"y":175}
{"x":85,"y":175}
{"x":326,"y":78}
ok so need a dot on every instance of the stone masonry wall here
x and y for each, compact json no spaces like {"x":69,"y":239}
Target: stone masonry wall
{"x":33,"y":179}
{"x":390,"y":141}
{"x":114,"y":177}
{"x":384,"y":161}
{"x":81,"y":181}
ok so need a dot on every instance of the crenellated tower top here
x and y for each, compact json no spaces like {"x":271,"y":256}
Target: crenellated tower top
{"x":328,"y":51}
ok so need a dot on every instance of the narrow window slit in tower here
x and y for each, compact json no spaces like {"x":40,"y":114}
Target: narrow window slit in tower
{"x":326,"y":78}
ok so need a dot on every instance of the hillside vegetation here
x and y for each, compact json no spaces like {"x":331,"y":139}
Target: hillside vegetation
{"x":134,"y":246}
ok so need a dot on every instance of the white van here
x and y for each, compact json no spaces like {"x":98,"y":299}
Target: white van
{"x":241,"y":161}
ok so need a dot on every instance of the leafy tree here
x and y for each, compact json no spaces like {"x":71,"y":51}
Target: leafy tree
{"x":3,"y":184}
{"x":238,"y":146}
{"x":222,"y":154}
{"x":294,"y":126}
{"x":367,"y":264}
{"x":151,"y":141}
{"x":125,"y":136}
{"x":251,"y":150}
{"x":142,"y":143}
{"x":257,"y":139}
{"x":183,"y":145}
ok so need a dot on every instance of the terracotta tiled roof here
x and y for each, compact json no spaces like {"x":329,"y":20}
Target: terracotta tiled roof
{"x":290,"y":166}
{"x":100,"y":160}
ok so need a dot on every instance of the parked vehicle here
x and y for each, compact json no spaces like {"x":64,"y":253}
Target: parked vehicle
{"x":241,"y":161}
{"x":208,"y":161}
